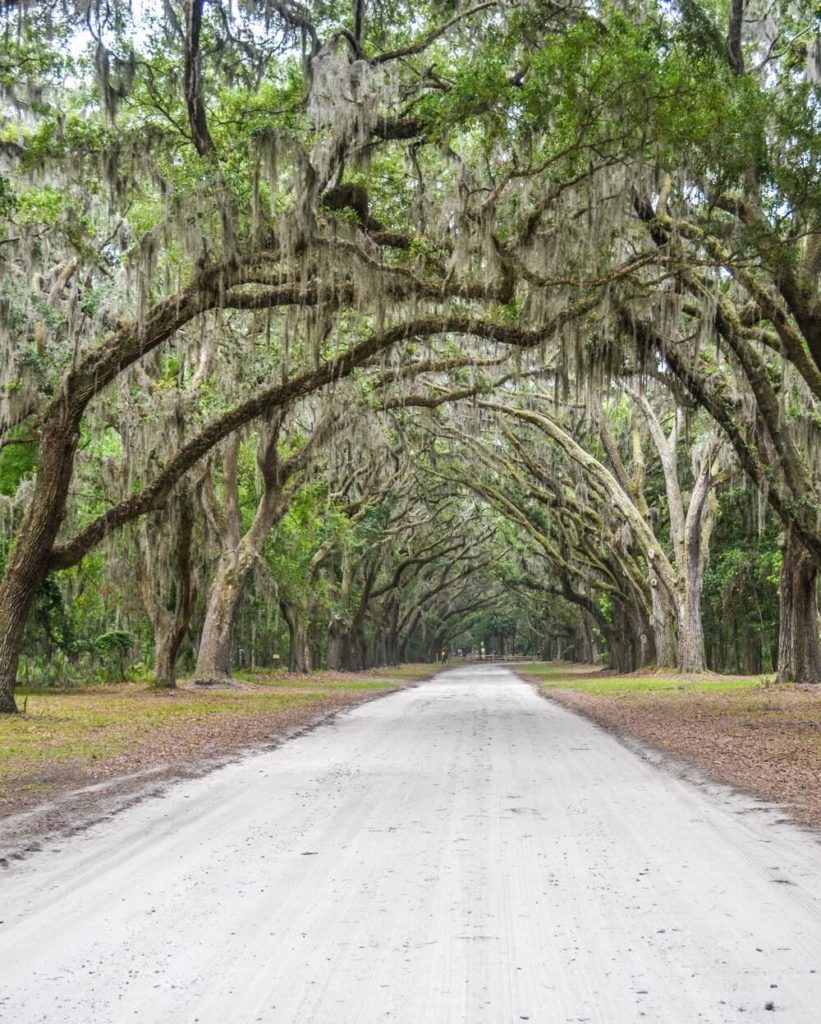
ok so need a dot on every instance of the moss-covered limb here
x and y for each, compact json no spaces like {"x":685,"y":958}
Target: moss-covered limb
{"x":803,"y":352}
{"x":713,"y":391}
{"x":518,"y":515}
{"x":449,"y":620}
{"x":578,"y":551}
{"x":768,"y":452}
{"x":627,"y":576}
{"x":768,"y":409}
{"x":446,"y":579}
{"x":773,"y":300}
{"x":581,"y":526}
{"x":794,"y":280}
{"x":667,"y":449}
{"x":437,"y":547}
{"x":427,"y":40}
{"x":632,"y":484}
{"x":592,"y":467}
{"x":435,"y":365}
{"x":281,"y":395}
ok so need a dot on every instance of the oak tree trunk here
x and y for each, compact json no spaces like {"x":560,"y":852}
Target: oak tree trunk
{"x":300,"y":654}
{"x":799,"y":650}
{"x":589,"y":651}
{"x":28,"y":563}
{"x":663,"y":623}
{"x":691,"y":628}
{"x":170,"y":613}
{"x":697,"y":530}
{"x":214,"y":655}
{"x":239,"y":552}
{"x":167,"y":642}
{"x":337,"y":638}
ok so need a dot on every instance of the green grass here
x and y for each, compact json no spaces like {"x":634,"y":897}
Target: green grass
{"x":543,"y":669}
{"x":102,"y":722}
{"x":318,"y":685}
{"x":557,"y":676}
{"x":382,"y":679}
{"x":92,"y":723}
{"x":363,"y":684}
{"x":420,"y":671}
{"x":95,"y":724}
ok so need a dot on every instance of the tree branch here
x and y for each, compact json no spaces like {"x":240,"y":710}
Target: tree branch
{"x":431,"y":37}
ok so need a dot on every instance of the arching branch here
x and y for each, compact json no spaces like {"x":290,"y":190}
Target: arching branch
{"x":431,"y":37}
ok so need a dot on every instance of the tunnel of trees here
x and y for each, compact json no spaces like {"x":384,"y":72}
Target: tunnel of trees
{"x":340,"y":334}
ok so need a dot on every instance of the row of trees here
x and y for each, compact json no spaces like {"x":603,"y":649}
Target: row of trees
{"x":496,"y":539}
{"x":395,"y":317}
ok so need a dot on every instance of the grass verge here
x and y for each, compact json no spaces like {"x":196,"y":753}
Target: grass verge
{"x":588,"y":679}
{"x":69,"y":740}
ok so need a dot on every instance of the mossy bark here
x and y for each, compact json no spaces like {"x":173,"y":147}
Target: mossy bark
{"x":799,"y":649}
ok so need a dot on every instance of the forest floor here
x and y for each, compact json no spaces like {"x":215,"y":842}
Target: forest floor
{"x":743,"y":731}
{"x":80,"y":754}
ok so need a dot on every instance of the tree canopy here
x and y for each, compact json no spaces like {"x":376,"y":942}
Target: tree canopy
{"x":397,"y":328}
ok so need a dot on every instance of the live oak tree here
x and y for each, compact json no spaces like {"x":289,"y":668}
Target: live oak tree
{"x":239,"y":549}
{"x":611,"y":190}
{"x":204,"y":245}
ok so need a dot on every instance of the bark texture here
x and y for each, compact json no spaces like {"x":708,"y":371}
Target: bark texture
{"x":29,"y":560}
{"x":170,"y":613}
{"x":298,"y":632}
{"x":799,"y":649}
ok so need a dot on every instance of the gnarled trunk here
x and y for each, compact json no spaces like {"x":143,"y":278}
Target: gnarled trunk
{"x":167,"y":642}
{"x":28,"y":564}
{"x":695,"y":545}
{"x":799,"y":650}
{"x":625,"y":642}
{"x":359,"y":650}
{"x":379,"y":650}
{"x":339,"y":644}
{"x":589,"y":648}
{"x":387,"y":647}
{"x":406,"y":631}
{"x":691,"y":627}
{"x":691,"y":634}
{"x":663,"y":623}
{"x":239,"y":553}
{"x":392,"y":635}
{"x":16,"y":594}
{"x":170,"y":624}
{"x":300,"y":656}
{"x":348,"y":650}
{"x":214,"y":655}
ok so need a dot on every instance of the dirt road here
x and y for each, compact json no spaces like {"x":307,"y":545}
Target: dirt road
{"x":460,"y":852}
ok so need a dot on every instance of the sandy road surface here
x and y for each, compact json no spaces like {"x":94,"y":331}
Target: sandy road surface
{"x":460,"y":852}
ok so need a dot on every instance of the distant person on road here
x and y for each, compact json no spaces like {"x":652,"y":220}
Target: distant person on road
{"x":443,"y":657}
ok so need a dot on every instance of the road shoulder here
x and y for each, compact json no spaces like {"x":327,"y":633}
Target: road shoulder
{"x":762,"y":739}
